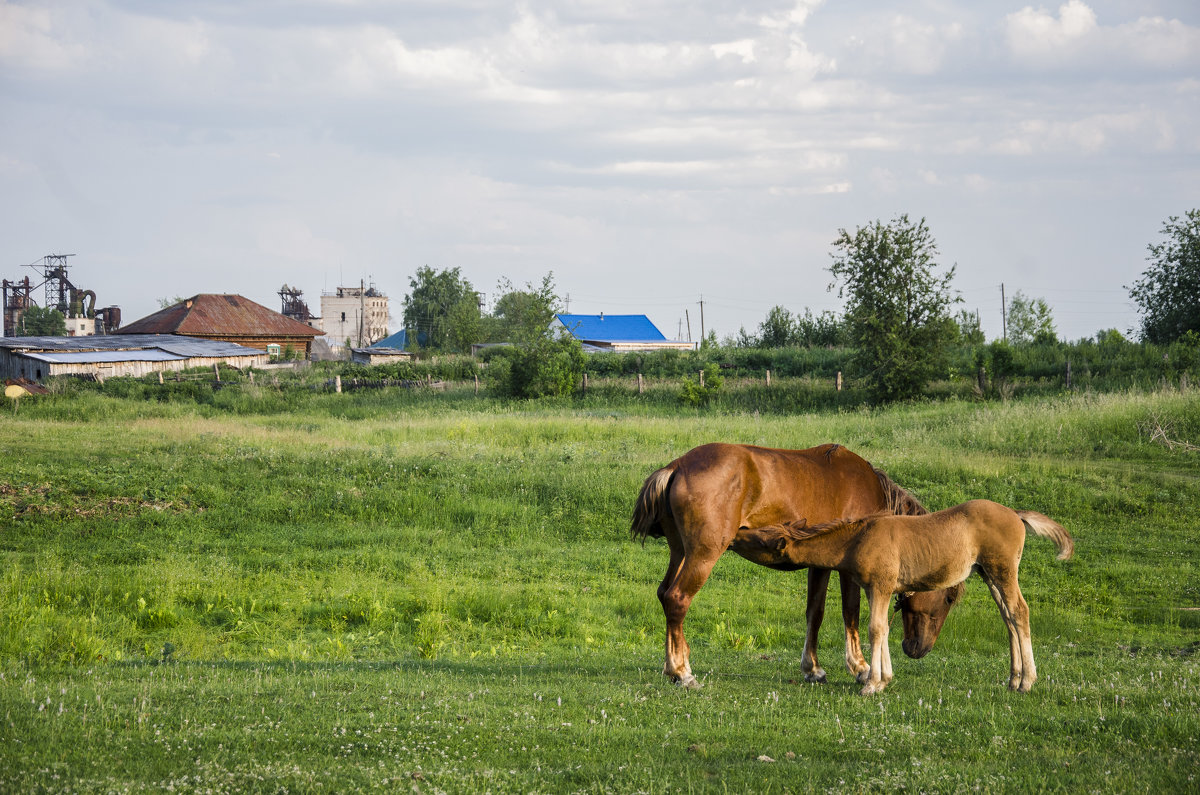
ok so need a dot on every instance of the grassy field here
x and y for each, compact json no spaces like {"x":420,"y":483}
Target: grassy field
{"x":385,"y":589}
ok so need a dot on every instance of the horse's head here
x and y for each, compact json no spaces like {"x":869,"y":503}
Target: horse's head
{"x":923,"y":613}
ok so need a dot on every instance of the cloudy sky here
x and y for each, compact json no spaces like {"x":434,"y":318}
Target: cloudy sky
{"x":651,"y":153}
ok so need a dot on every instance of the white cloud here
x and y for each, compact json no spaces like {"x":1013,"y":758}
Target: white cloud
{"x":1076,"y":36}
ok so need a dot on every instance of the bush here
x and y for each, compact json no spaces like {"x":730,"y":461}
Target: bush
{"x":544,"y":368}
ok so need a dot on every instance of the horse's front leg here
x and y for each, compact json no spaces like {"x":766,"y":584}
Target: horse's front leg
{"x":850,"y":611}
{"x":814,"y":611}
{"x":878,"y":600}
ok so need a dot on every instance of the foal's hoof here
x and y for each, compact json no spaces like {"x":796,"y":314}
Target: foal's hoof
{"x":872,"y":688}
{"x":689,"y":682}
{"x":863,"y":676}
{"x":816,"y":677}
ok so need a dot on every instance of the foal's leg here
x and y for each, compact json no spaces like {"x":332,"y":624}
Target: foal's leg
{"x":1015,"y":612}
{"x":814,"y":612}
{"x":878,"y":600}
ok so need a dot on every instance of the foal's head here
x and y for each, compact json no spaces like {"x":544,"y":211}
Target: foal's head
{"x":923,"y":613}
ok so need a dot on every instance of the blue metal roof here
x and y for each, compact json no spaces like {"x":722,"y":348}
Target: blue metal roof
{"x":612,"y":328}
{"x":399,"y":341}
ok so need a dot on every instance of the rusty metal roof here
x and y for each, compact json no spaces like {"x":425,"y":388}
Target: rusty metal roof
{"x":210,"y":314}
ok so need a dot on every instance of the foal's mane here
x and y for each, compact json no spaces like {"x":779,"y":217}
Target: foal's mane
{"x":800,"y":530}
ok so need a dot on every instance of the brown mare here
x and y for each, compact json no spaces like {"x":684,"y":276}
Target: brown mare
{"x":888,"y":554}
{"x":704,"y":500}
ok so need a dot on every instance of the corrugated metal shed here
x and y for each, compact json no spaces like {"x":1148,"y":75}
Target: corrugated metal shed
{"x":36,"y":358}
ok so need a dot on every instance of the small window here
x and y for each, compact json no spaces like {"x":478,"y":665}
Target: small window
{"x":273,"y":349}
{"x":343,"y":317}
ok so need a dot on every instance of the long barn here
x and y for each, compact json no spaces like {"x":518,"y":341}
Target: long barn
{"x":38,"y":358}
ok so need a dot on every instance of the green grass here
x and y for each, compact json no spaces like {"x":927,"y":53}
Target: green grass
{"x":390,"y":589}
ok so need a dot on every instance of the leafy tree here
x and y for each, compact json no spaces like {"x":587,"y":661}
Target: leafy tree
{"x":1168,"y":294}
{"x":439,"y":300}
{"x":43,"y":322}
{"x":525,"y":315}
{"x":539,"y":363}
{"x":970,"y":328}
{"x":897,"y":305}
{"x":778,"y":330}
{"x":824,"y":331}
{"x":1030,"y":321}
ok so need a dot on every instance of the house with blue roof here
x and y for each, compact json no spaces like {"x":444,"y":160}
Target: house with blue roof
{"x":616,"y":333}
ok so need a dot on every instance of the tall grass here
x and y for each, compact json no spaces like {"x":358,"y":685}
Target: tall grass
{"x":208,"y":594}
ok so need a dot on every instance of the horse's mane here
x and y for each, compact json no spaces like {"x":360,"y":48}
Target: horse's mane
{"x":899,"y":501}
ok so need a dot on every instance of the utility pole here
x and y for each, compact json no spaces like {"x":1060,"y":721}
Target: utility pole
{"x":701,"y":317}
{"x":1003,"y":312}
{"x":689,"y":324}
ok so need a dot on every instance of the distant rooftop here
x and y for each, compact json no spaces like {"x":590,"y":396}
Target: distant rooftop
{"x":219,"y":314}
{"x":122,"y":347}
{"x":611,"y":328}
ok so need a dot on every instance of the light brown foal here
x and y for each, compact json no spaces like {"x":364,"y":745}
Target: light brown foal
{"x":888,"y":554}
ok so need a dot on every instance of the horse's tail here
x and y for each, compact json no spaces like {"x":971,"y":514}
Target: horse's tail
{"x":1048,"y":528}
{"x":899,"y":501}
{"x":652,"y":506}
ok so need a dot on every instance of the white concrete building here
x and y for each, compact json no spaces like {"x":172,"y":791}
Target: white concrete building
{"x":358,"y":314}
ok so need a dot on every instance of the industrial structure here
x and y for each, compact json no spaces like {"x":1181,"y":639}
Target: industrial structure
{"x":354,"y":316}
{"x":295,"y":307}
{"x":77,"y":306}
{"x":231,"y":318}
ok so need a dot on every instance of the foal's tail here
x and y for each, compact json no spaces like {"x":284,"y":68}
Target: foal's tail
{"x":1048,"y":528}
{"x":899,"y":501}
{"x":652,"y":506}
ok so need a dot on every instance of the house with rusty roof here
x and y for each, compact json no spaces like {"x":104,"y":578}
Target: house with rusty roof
{"x":616,"y":333}
{"x":229,"y":318}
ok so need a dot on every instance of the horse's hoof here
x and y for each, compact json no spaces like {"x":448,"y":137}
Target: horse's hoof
{"x":689,"y":682}
{"x":816,"y":677}
{"x":863,"y":676}
{"x":871,"y":689}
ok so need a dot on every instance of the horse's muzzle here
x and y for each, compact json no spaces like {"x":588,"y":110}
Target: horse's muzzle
{"x":915,"y":650}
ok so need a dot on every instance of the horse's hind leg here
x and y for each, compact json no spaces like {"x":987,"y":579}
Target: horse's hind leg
{"x":675,"y":664}
{"x":686,"y":573}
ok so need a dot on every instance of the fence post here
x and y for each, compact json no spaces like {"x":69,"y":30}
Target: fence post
{"x":217,"y":373}
{"x":585,"y":382}
{"x":981,"y":379}
{"x":641,"y":386}
{"x":1068,"y":375}
{"x":160,"y":380}
{"x":476,"y":383}
{"x":838,"y":382}
{"x":768,"y":379}
{"x":702,"y":379}
{"x":337,"y":384}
